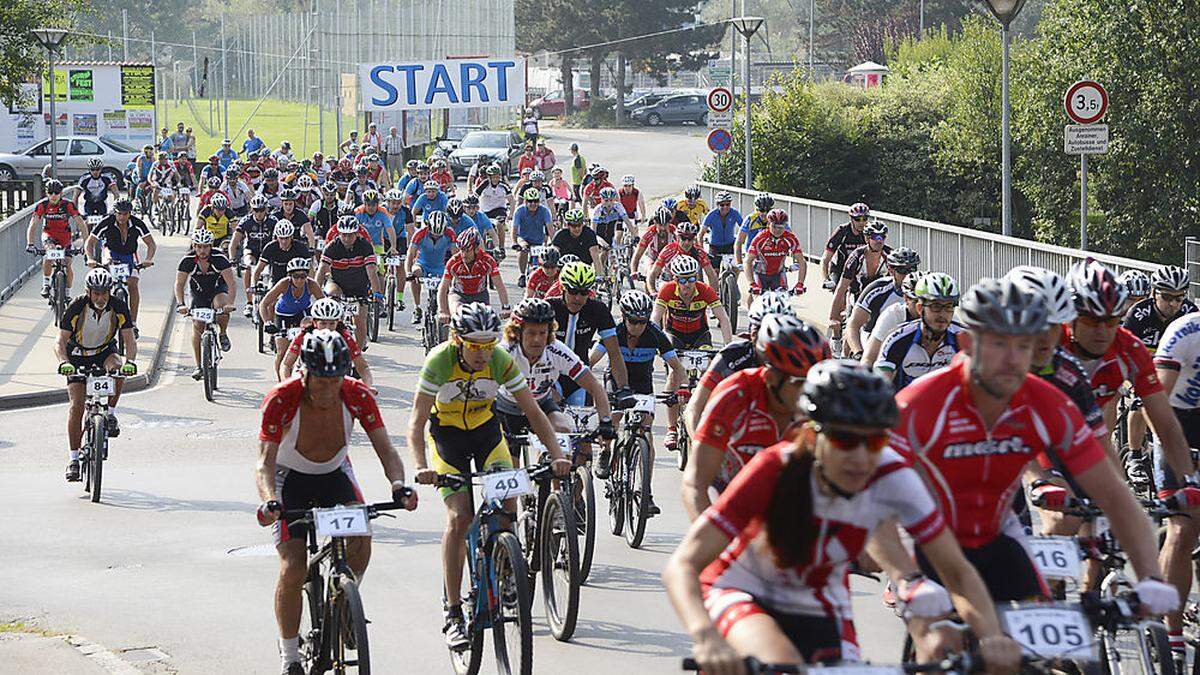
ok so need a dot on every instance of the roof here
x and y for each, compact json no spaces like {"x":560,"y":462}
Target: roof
{"x":103,"y":63}
{"x":868,"y":67}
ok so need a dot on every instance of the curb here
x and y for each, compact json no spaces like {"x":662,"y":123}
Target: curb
{"x":138,"y":382}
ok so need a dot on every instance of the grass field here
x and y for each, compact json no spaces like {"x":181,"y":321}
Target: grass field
{"x":275,"y":121}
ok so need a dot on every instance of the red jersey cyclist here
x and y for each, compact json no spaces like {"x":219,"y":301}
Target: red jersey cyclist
{"x":682,"y":306}
{"x":685,"y":246}
{"x":546,"y":275}
{"x":467,"y":275}
{"x":326,"y":314}
{"x":658,"y":235}
{"x":763,"y":571}
{"x":53,"y":217}
{"x":767,"y":254}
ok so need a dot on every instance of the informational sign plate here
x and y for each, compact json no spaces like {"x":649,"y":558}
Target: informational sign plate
{"x":1086,"y":102}
{"x":720,"y":120}
{"x":456,"y":83}
{"x":1091,"y":139}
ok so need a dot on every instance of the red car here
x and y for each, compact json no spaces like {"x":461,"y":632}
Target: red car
{"x":551,"y":105}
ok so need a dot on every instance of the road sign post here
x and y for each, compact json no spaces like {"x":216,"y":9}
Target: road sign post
{"x":1086,"y":103}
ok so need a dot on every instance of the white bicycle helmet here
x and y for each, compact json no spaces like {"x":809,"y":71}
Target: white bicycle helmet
{"x":1060,"y":307}
{"x":95,"y":163}
{"x":284,"y":229}
{"x":684,"y":266}
{"x":636,"y":304}
{"x":628,"y":179}
{"x":219,"y":202}
{"x":1137,"y":282}
{"x":99,"y":278}
{"x":202,"y":237}
{"x":327,"y":309}
{"x":299,"y":265}
{"x":771,"y":302}
{"x":394,"y":195}
{"x":347,"y":224}
{"x":476,"y":321}
{"x":258,"y":202}
{"x":1170,"y":278}
{"x":1096,"y":289}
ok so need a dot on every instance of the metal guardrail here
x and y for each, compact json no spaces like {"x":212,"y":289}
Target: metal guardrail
{"x":1191,"y":256}
{"x":967,"y":254}
{"x":15,"y":264}
{"x":17,"y":194}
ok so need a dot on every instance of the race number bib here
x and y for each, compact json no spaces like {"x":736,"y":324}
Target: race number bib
{"x":564,"y":444}
{"x":342,"y":521}
{"x":1056,"y":557}
{"x":393,"y":261}
{"x":203,"y":314}
{"x":695,"y":360}
{"x":1051,"y":631}
{"x":120,"y":271}
{"x":101,"y":385}
{"x":506,"y":484}
{"x":350,"y":308}
{"x":431,"y":283}
{"x":643,"y":403}
{"x":293,"y":332}
{"x":55,"y":254}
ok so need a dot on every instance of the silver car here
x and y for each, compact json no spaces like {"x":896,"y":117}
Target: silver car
{"x":73,"y":155}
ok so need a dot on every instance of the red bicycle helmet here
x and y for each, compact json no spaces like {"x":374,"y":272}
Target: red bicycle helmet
{"x":790,"y":345}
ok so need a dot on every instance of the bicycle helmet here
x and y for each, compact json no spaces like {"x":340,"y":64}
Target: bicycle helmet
{"x":537,"y":175}
{"x":1169,"y":278}
{"x":777,"y":217}
{"x":608,"y":193}
{"x":325,"y":354}
{"x":370,"y":196}
{"x":859,"y":210}
{"x":692,"y":192}
{"x":394,"y":195}
{"x":909,"y":286}
{"x":687,"y":228}
{"x":327,"y":309}
{"x":258,"y":203}
{"x":684,"y":266}
{"x":329,"y":188}
{"x":598,"y":170}
{"x":284,"y":228}
{"x":468,"y":239}
{"x":937,"y":286}
{"x":347,"y":224}
{"x":422,"y":168}
{"x":431,"y":185}
{"x":723,"y":198}
{"x":412,"y":164}
{"x":663,"y":216}
{"x":360,"y":171}
{"x":550,"y":256}
{"x":903,"y":259}
{"x":53,"y":186}
{"x":842,"y":391}
{"x":288,"y":195}
{"x":493,"y":170}
{"x":771,"y":302}
{"x":1137,"y":282}
{"x":628,"y":179}
{"x":790,"y":345}
{"x":875,"y":229}
{"x":575,"y":216}
{"x":304,"y":182}
{"x":1000,"y":306}
{"x":1097,"y":291}
{"x":533,"y":310}
{"x":764,"y":202}
{"x":1060,"y":307}
{"x":568,"y":258}
{"x":436,"y":222}
{"x":213,"y":182}
{"x":454,"y":207}
{"x":671,"y":204}
{"x":345,"y":164}
{"x":271,"y":174}
{"x":95,"y":163}
{"x":636,"y":304}
{"x":202,"y":237}
{"x":99,"y":279}
{"x":299,"y":265}
{"x":476,"y":321}
{"x":219,"y":202}
{"x":577,"y":275}
{"x":471,"y":200}
{"x":532,"y":195}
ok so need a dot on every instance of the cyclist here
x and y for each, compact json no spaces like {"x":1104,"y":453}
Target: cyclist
{"x":845,"y":238}
{"x":877,"y":296}
{"x":163,"y":181}
{"x":532,"y":224}
{"x":458,"y":384}
{"x":432,"y":199}
{"x":721,"y":225}
{"x":216,"y":218}
{"x":864,"y":264}
{"x":891,"y":318}
{"x":238,"y":191}
{"x":592,"y":188}
{"x":578,"y":239}
{"x":342,"y":175}
{"x":306,"y":462}
{"x":212,"y":188}
{"x":279,"y":254}
{"x":350,"y":265}
{"x":752,"y":409}
{"x":326,"y":314}
{"x":782,"y":595}
{"x":546,"y":275}
{"x":432,"y":245}
{"x":495,"y":198}
{"x":377,"y":173}
{"x":739,"y":354}
{"x":686,"y":246}
{"x":638,"y":342}
{"x":682,"y":304}
{"x":140,"y":176}
{"x":400,"y":217}
{"x":272,"y":189}
{"x":324,"y":212}
{"x":378,"y":223}
{"x":1138,"y":285}
{"x":52,"y":219}
{"x":211,"y":170}
{"x":119,"y":234}
{"x":183,"y":166}
{"x":487,"y":229}
{"x":458,"y":221}
{"x":467,"y":275}
{"x":255,"y":230}
{"x":95,"y":187}
{"x":753,"y":224}
{"x":208,"y":274}
{"x":288,"y":302}
{"x":580,"y":320}
{"x":764,"y":269}
{"x":307,"y":192}
{"x":692,"y":206}
{"x":87,"y":338}
{"x":361,"y":183}
{"x":927,"y":343}
{"x":289,"y":210}
{"x":630,"y":196}
{"x":658,"y":235}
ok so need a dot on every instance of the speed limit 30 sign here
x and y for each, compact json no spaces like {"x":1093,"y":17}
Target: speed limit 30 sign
{"x":720,"y":100}
{"x":1086,"y":102}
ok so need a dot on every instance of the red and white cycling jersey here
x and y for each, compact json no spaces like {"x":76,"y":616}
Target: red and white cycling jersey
{"x":281,"y":421}
{"x":469,"y":279}
{"x":1127,"y":360}
{"x":651,"y":242}
{"x":770,"y":253}
{"x":820,"y":586}
{"x":351,"y":343}
{"x":56,"y":219}
{"x":539,"y":282}
{"x":974,"y":470}
{"x":673,"y":249}
{"x":737,"y":422}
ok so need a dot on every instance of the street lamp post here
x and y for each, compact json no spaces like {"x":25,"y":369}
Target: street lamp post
{"x":51,"y":39}
{"x":1005,"y":11}
{"x":747,"y":26}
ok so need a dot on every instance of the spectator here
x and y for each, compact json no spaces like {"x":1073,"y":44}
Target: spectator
{"x":190,"y":148}
{"x":178,"y":140}
{"x":545,"y":156}
{"x":373,"y":137}
{"x":527,"y":159}
{"x":353,"y":140}
{"x":530,"y":126}
{"x":164,"y":143}
{"x":578,"y":171}
{"x":393,"y":150}
{"x":226,"y":154}
{"x":252,"y":143}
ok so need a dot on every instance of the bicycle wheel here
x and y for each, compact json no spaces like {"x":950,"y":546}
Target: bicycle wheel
{"x":467,"y":661}
{"x":584,"y":488}
{"x":559,"y":554}
{"x":313,"y":652}
{"x":84,"y":465}
{"x":512,"y":625}
{"x":637,"y":490}
{"x":258,"y":326}
{"x":206,"y":364}
{"x":350,"y":653}
{"x":391,"y":303}
{"x":682,"y":447}
{"x":96,"y":459}
{"x":372,"y":321}
{"x":1158,"y":651}
{"x":614,"y":491}
{"x":60,"y":295}
{"x":730,"y":299}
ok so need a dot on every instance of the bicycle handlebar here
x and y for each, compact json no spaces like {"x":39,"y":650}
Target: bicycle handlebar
{"x":293,"y":516}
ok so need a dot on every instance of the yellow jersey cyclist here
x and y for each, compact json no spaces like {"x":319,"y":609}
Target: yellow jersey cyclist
{"x":457,"y":387}
{"x":692,"y":206}
{"x":217,"y":219}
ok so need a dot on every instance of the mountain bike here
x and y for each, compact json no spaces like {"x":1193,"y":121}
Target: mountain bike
{"x":60,"y":260}
{"x":628,"y":485}
{"x":728,"y":291}
{"x":583,"y":485}
{"x":695,"y":363}
{"x":393,"y":298}
{"x":433,"y":332}
{"x":182,"y":216}
{"x":99,"y":385}
{"x":259,"y":292}
{"x":210,"y":348}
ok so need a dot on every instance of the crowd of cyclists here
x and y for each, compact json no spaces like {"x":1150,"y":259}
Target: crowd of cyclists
{"x":932,"y":405}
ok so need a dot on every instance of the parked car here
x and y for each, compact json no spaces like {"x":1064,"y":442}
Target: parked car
{"x":449,"y":141}
{"x":501,"y":147}
{"x":552,"y":104}
{"x":73,"y":154}
{"x":644,"y":100}
{"x":673,"y":110}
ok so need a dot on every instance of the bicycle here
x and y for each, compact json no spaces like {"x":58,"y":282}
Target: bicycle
{"x":210,"y":349}
{"x":60,"y":260}
{"x":628,"y":485}
{"x":499,"y":595}
{"x":99,"y":385}
{"x":616,"y":279}
{"x":183,"y":212}
{"x":259,"y":292}
{"x":369,"y":305}
{"x":164,"y":209}
{"x":336,"y":623}
{"x":695,"y":363}
{"x":728,"y":290}
{"x":586,"y":421}
{"x":433,"y":332}
{"x":394,"y":301}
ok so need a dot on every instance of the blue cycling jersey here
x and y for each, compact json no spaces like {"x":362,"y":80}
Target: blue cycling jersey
{"x":602,"y":213}
{"x":432,"y":251}
{"x":424,"y":205}
{"x":531,"y":225}
{"x":374,"y":224}
{"x":464,"y":222}
{"x":483,"y":223}
{"x":399,"y":220}
{"x":722,"y":229}
{"x":402,"y":184}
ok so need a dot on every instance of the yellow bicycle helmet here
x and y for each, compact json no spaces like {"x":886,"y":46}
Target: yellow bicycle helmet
{"x":578,"y":276}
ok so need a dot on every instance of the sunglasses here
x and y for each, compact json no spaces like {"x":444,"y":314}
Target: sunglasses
{"x":877,"y":237}
{"x":299,"y":275}
{"x":637,"y":322}
{"x":688,"y":280}
{"x":1097,"y":321}
{"x":473,"y":346}
{"x":863,"y":219}
{"x":851,"y":440}
{"x":687,"y":238}
{"x":940,"y":306}
{"x":1171,"y":297}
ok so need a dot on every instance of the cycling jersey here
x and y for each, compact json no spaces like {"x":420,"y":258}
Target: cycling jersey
{"x":580,"y":246}
{"x":356,"y":188}
{"x":539,"y":282}
{"x":257,"y":232}
{"x":94,"y":331}
{"x":609,"y":214}
{"x":858,"y":270}
{"x":347,"y":335}
{"x":463,"y":399}
{"x":843,"y":240}
{"x":277,"y":257}
{"x":1127,"y":360}
{"x":239,"y":194}
{"x":629,"y":199}
{"x":673,"y":249}
{"x":56,"y":220}
{"x":756,"y":222}
{"x":653,"y":244}
{"x":1180,"y":351}
{"x":1147,"y":325}
{"x":890,"y":319}
{"x":288,"y":305}
{"x":470,"y":278}
{"x":819,"y":587}
{"x":722,"y":229}
{"x":591,"y":192}
{"x":349,"y":265}
{"x":205,"y":276}
{"x":737,"y":355}
{"x":142,"y":165}
{"x":216,"y":223}
{"x":556,"y":361}
{"x":281,"y":421}
{"x":694,"y":212}
{"x":738,"y":423}
{"x":531,"y":225}
{"x":462,"y":223}
{"x":973,"y":470}
{"x":1065,"y":372}
{"x":906,"y":359}
{"x":376,"y":223}
{"x":164,"y":175}
{"x":423,"y":206}
{"x":876,"y":297}
{"x":341,"y":178}
{"x":95,"y":188}
{"x":579,"y":330}
{"x":770,"y":253}
{"x":432,"y":252}
{"x":639,"y":359}
{"x":687,"y":316}
{"x":491,"y":196}
{"x":109,"y":234}
{"x":297,"y":218}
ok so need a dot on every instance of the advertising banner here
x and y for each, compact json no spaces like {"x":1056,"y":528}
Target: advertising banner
{"x":60,"y":86}
{"x":137,"y":86}
{"x":83,"y":124}
{"x":456,"y":83}
{"x":81,"y":85}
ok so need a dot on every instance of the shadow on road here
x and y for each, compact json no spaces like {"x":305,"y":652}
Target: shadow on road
{"x":395,"y":535}
{"x":148,"y":501}
{"x":623,"y":637}
{"x":621,"y":578}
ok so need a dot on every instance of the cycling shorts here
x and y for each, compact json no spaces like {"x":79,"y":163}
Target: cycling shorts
{"x":58,"y":238}
{"x":423,"y":270}
{"x":770,"y":282}
{"x":608,"y":231}
{"x":1189,"y":420}
{"x":298,"y":490}
{"x":637,"y":385}
{"x":455,"y":449}
{"x":464,"y":298}
{"x":95,"y":208}
{"x":205,"y":300}
{"x":286,"y":321}
{"x":696,"y":340}
{"x":817,"y":638}
{"x":500,"y":213}
{"x":89,"y":362}
{"x":1005,"y":567}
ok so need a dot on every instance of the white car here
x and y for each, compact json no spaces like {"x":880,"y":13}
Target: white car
{"x":73,"y":155}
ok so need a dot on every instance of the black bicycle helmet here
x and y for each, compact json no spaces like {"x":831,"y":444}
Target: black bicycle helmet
{"x":271,"y":174}
{"x":1000,"y":306}
{"x":123,"y":206}
{"x":325,"y":354}
{"x":693,"y":192}
{"x":764,"y":202}
{"x":53,"y":186}
{"x":551,"y":256}
{"x":533,"y":310}
{"x":903,"y":259}
{"x":454,"y":207}
{"x":875,"y":229}
{"x":843,"y":391}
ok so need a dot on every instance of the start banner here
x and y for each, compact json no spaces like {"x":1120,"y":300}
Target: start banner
{"x":454,"y":83}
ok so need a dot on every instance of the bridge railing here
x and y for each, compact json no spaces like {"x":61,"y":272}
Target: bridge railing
{"x":965,"y":253}
{"x":15,"y":264}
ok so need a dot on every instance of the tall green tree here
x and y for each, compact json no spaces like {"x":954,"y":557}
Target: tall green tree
{"x":22,"y":58}
{"x":557,"y":25}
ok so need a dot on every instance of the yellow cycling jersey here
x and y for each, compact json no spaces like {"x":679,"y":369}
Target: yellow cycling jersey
{"x":217,"y":225}
{"x":695,"y":212}
{"x":463,"y":399}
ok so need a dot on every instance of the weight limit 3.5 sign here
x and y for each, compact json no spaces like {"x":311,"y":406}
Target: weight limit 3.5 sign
{"x":1086,"y":102}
